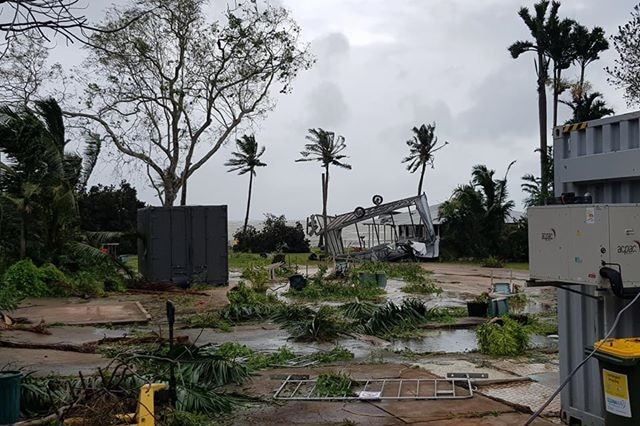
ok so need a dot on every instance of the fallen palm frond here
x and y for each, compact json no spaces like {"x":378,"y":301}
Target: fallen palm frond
{"x":308,"y":325}
{"x":358,"y":310}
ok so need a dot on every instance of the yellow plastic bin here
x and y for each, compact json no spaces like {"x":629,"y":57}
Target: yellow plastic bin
{"x":619,"y":361}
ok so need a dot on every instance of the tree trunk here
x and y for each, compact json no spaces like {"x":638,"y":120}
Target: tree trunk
{"x":183,"y":194}
{"x":542,"y":121}
{"x":582,"y":68}
{"x":424,"y":167}
{"x":23,"y":237}
{"x":325,"y":199}
{"x":246,"y":217}
{"x":556,"y":93}
{"x":170,"y":196}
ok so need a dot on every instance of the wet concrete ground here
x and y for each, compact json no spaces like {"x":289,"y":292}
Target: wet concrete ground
{"x":441,"y":351}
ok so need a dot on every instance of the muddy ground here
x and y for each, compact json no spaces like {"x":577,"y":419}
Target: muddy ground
{"x":514,"y":386}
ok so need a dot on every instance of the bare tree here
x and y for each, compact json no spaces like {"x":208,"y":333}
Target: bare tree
{"x":24,"y":71}
{"x":176,"y":87}
{"x":44,"y":16}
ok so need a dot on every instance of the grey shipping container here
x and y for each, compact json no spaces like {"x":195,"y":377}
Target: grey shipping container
{"x":183,"y":244}
{"x":600,"y":157}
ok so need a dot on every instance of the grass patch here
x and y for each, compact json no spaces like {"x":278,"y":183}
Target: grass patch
{"x":240,"y":260}
{"x":209,"y":320}
{"x":338,"y":353}
{"x":409,"y":272}
{"x":334,"y":384}
{"x":321,"y":288}
{"x":447,"y":315}
{"x":428,"y":286}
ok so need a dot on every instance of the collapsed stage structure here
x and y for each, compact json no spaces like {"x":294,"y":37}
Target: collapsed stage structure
{"x":417,"y":240}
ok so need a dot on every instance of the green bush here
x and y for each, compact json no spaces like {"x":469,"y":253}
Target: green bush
{"x":507,"y":339}
{"x":492,"y":262}
{"x":9,"y":297}
{"x":26,"y":278}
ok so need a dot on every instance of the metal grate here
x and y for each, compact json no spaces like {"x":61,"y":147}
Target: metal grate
{"x":380,"y":389}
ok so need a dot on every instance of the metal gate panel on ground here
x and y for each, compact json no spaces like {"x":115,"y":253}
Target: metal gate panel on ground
{"x":293,"y":389}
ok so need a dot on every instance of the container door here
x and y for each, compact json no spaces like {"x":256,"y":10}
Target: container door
{"x":178,"y":245}
{"x":217,"y":245}
{"x":159,"y":251}
{"x":198,"y":246}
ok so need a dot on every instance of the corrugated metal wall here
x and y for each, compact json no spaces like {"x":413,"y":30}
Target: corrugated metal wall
{"x":183,"y":244}
{"x":603,"y":158}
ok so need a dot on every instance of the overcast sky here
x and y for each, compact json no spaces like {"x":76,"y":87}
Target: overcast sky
{"x":383,"y":67}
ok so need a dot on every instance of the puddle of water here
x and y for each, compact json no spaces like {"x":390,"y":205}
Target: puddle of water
{"x":457,"y":341}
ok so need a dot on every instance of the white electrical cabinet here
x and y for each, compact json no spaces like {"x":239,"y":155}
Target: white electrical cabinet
{"x":570,"y":243}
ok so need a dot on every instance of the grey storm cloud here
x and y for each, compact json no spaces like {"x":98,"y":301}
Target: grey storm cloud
{"x":386,"y":66}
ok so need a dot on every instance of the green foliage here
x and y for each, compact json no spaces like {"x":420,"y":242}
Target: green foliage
{"x":209,"y":320}
{"x":31,"y":281}
{"x":111,"y":209}
{"x":397,"y":321}
{"x":318,"y":326}
{"x":258,"y":276}
{"x":275,"y":236}
{"x":338,"y":353}
{"x":517,"y":301}
{"x":492,"y":262}
{"x":9,"y":297}
{"x":320,"y":288}
{"x":446,"y":315}
{"x":334,"y":384}
{"x":409,"y":272}
{"x":624,"y":74}
{"x":422,"y":147}
{"x":247,"y":304}
{"x":359,"y":311}
{"x":473,"y":219}
{"x":507,"y":338}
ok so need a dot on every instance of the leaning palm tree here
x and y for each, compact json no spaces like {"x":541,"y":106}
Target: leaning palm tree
{"x":245,"y":160}
{"x":422,"y":146}
{"x":538,"y":26}
{"x":325,"y":147}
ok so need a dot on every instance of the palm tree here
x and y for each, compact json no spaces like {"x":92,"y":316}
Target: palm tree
{"x":587,"y":47}
{"x":587,"y":106}
{"x":532,"y":185}
{"x":422,"y":146}
{"x":245,"y":160}
{"x":474,"y":216}
{"x":324,"y":147}
{"x":538,"y":25}
{"x":561,"y":51}
{"x":38,"y":180}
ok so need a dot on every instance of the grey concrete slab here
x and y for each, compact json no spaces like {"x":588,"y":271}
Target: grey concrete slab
{"x":62,"y":311}
{"x":44,"y":362}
